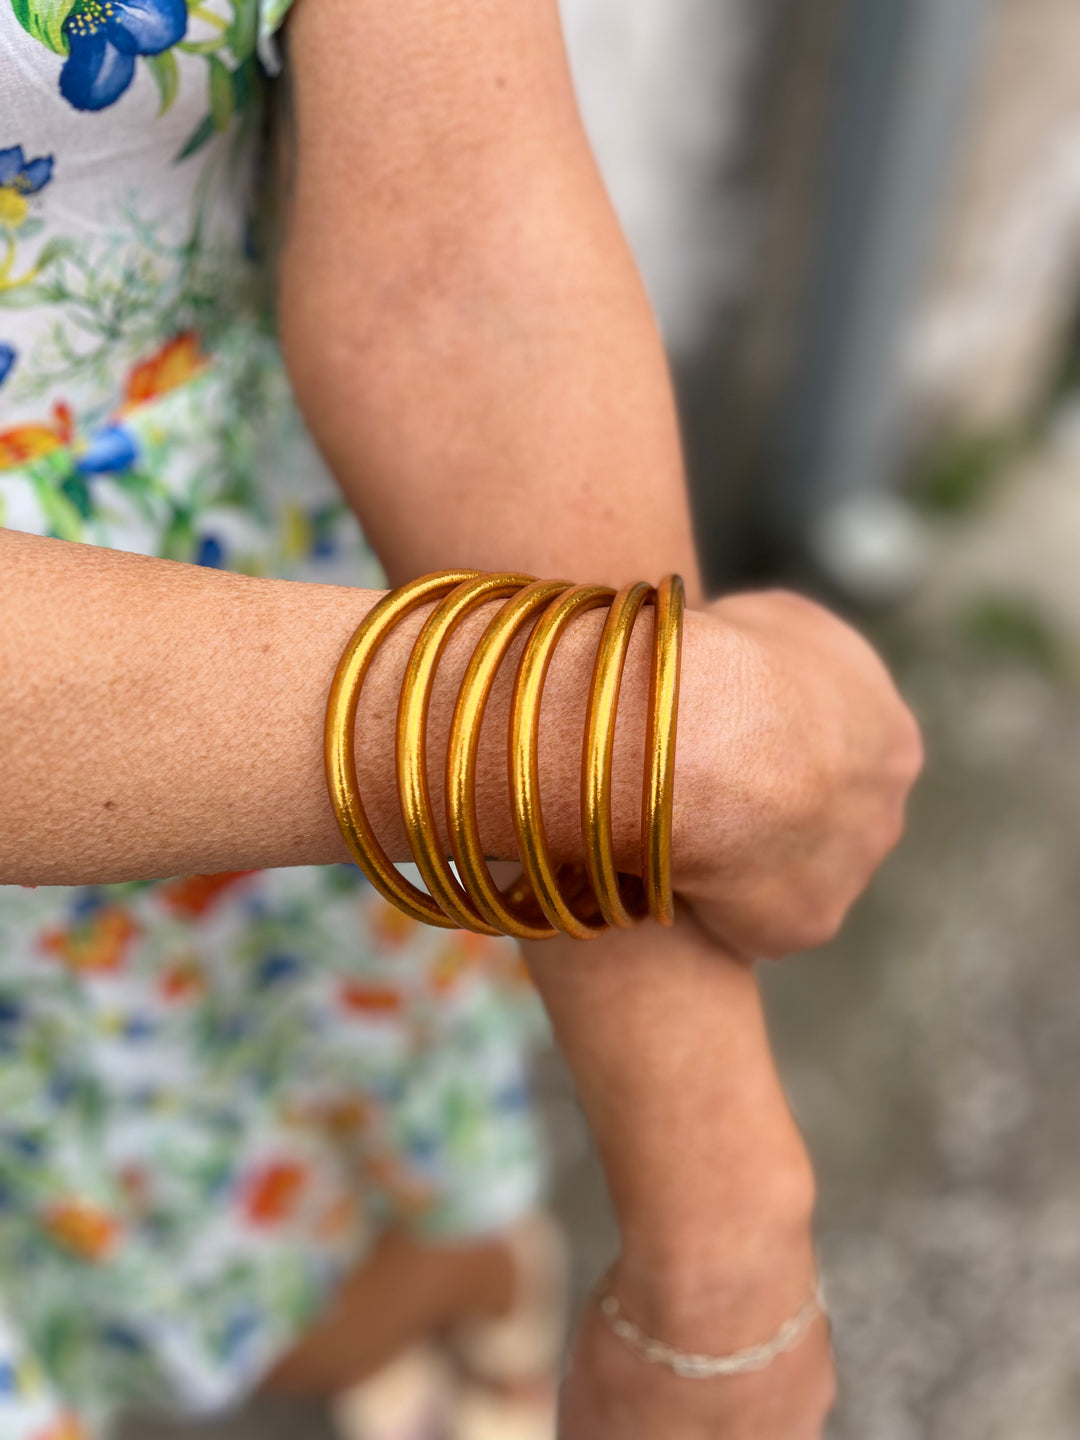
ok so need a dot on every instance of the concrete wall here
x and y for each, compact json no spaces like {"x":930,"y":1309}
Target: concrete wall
{"x":662,"y":85}
{"x":1003,"y":290}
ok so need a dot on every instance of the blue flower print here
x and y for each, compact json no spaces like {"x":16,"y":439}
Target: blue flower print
{"x":111,"y":450}
{"x":25,"y":176}
{"x":276,"y":970}
{"x":20,"y":178}
{"x":210,"y":553}
{"x":8,"y":356}
{"x":106,"y":36}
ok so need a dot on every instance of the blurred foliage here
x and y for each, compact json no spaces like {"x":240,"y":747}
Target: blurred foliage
{"x":1013,"y":627}
{"x":960,"y":473}
{"x":1066,"y":380}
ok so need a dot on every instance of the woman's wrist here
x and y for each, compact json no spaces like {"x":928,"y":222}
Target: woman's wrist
{"x":666,"y":1040}
{"x":700,"y":1294}
{"x":772,"y":1304}
{"x":683,"y":1249}
{"x":561,"y":737}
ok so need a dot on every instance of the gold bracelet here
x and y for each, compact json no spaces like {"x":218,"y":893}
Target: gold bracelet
{"x":338,"y":743}
{"x":658,"y":802}
{"x":581,"y":901}
{"x":596,"y":760}
{"x":413,"y":791}
{"x":525,"y":805}
{"x":499,"y":910}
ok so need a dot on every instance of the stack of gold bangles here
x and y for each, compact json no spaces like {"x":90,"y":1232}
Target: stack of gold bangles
{"x":547,"y":899}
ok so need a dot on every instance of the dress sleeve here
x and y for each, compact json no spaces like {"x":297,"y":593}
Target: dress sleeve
{"x":271,"y":17}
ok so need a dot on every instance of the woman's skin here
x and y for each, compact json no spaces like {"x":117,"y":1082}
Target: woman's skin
{"x":472,"y":349}
{"x":665,"y":1037}
{"x":162,"y":719}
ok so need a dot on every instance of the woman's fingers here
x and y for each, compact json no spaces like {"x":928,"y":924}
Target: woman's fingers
{"x":798,"y":758}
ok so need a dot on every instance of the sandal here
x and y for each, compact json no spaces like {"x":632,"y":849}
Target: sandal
{"x":408,"y":1399}
{"x":507,"y":1369}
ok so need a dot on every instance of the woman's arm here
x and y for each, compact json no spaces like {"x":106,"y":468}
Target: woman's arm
{"x":665,"y":1037}
{"x":471,"y":345}
{"x":162,"y":719}
{"x":463,"y":323}
{"x":473,"y":352}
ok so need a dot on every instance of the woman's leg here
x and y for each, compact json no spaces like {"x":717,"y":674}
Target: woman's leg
{"x":405,"y":1292}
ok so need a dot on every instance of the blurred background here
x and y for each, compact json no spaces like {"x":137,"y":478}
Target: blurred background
{"x":860,"y":225}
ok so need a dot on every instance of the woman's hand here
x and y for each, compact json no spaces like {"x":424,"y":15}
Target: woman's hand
{"x":797,"y":755}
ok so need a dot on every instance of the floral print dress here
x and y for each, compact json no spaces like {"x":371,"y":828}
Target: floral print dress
{"x":214,"y":1091}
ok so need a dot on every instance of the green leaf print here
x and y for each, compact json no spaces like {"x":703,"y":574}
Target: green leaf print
{"x":31,"y":229}
{"x":243,"y":28}
{"x":178,"y":542}
{"x":145,"y":491}
{"x":166,"y":72}
{"x":76,"y":491}
{"x":245,"y":83}
{"x":44,"y":20}
{"x":197,"y":139}
{"x":27,"y":289}
{"x":222,"y":93}
{"x":62,"y":517}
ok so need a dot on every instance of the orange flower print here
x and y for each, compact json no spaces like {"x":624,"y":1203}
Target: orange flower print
{"x":373,"y":1000}
{"x":448,"y":969}
{"x":83,"y":1228}
{"x":96,"y":944}
{"x":66,"y":1428}
{"x":178,"y":360}
{"x":195,"y":894}
{"x":182,"y":981}
{"x":272,"y":1192}
{"x":25,"y":443}
{"x":389,"y":925}
{"x":463,"y":952}
{"x":477,"y":947}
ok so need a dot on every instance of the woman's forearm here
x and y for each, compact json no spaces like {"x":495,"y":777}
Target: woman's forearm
{"x":710,"y":1180}
{"x":465,"y":328}
{"x":665,"y":1037}
{"x":161,"y":719}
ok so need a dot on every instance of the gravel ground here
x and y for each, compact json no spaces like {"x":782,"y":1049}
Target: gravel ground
{"x":933,"y":1053}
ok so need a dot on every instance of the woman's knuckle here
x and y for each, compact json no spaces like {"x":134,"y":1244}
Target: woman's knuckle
{"x":821,"y":923}
{"x":908,"y":746}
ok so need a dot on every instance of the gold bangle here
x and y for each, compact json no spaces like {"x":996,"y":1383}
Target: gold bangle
{"x":597,"y":754}
{"x":577,"y":900}
{"x":657,"y":802}
{"x":461,"y":816}
{"x":413,"y":790}
{"x":525,"y":803}
{"x":339,"y":743}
